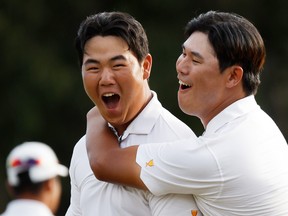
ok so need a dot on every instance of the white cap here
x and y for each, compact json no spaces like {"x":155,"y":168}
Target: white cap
{"x":38,"y":159}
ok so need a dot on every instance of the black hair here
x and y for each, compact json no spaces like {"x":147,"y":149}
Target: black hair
{"x":236,"y":41}
{"x":26,"y":185}
{"x":117,"y":24}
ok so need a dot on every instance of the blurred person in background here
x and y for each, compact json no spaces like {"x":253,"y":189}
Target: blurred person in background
{"x":33,"y":172}
{"x":116,"y":65}
{"x":239,"y":165}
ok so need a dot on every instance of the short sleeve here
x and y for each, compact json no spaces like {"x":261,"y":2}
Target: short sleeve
{"x":184,"y":167}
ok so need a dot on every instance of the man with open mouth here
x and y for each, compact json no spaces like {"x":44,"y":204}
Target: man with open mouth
{"x":116,"y":65}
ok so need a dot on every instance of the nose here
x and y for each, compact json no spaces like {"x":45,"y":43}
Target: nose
{"x":107,"y":77}
{"x":182,"y":65}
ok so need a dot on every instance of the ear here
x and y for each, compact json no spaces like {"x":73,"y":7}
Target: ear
{"x":234,"y":77}
{"x":147,"y":65}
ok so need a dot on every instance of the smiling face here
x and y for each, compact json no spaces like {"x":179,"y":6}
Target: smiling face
{"x":202,"y":87}
{"x":114,"y":80}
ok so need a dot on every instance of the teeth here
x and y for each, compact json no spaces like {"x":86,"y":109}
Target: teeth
{"x":182,"y":83}
{"x":108,"y":94}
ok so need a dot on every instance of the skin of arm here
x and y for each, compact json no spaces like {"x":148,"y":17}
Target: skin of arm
{"x":108,"y":161}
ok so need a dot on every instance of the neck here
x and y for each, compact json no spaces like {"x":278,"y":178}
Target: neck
{"x":121,"y":128}
{"x":220,"y":107}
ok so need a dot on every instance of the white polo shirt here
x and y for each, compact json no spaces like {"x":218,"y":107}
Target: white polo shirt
{"x":91,"y":197}
{"x":238,"y":167}
{"x":26,"y":207}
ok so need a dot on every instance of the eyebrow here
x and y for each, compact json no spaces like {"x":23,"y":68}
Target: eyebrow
{"x":197,"y":54}
{"x":94,"y":61}
{"x":90,"y":61}
{"x":118,"y":57}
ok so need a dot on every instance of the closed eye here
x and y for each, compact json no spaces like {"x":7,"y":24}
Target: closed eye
{"x":92,"y":69}
{"x":91,"y":65}
{"x":119,"y":65}
{"x":183,"y":52}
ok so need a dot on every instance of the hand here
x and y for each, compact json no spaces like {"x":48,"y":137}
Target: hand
{"x":93,"y":113}
{"x":107,"y":161}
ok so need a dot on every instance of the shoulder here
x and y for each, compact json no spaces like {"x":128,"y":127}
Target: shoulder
{"x":175,"y":125}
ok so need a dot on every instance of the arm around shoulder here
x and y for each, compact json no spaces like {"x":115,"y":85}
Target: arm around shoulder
{"x":108,"y":161}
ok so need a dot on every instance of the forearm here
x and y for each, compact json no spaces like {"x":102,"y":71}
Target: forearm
{"x":107,"y":160}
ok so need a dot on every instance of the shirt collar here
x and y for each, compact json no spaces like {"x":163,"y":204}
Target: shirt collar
{"x":145,"y":120}
{"x":233,"y":111}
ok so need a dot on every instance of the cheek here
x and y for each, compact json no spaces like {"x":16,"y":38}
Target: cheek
{"x":90,"y":84}
{"x":130,"y":80}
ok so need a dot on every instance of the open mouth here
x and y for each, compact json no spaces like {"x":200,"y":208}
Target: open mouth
{"x":184,"y":85}
{"x":111,"y":100}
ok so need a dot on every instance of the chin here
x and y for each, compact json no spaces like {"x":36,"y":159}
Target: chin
{"x":181,"y":105}
{"x":184,"y":109}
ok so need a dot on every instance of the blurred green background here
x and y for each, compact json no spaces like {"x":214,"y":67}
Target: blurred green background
{"x":41,"y":88}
